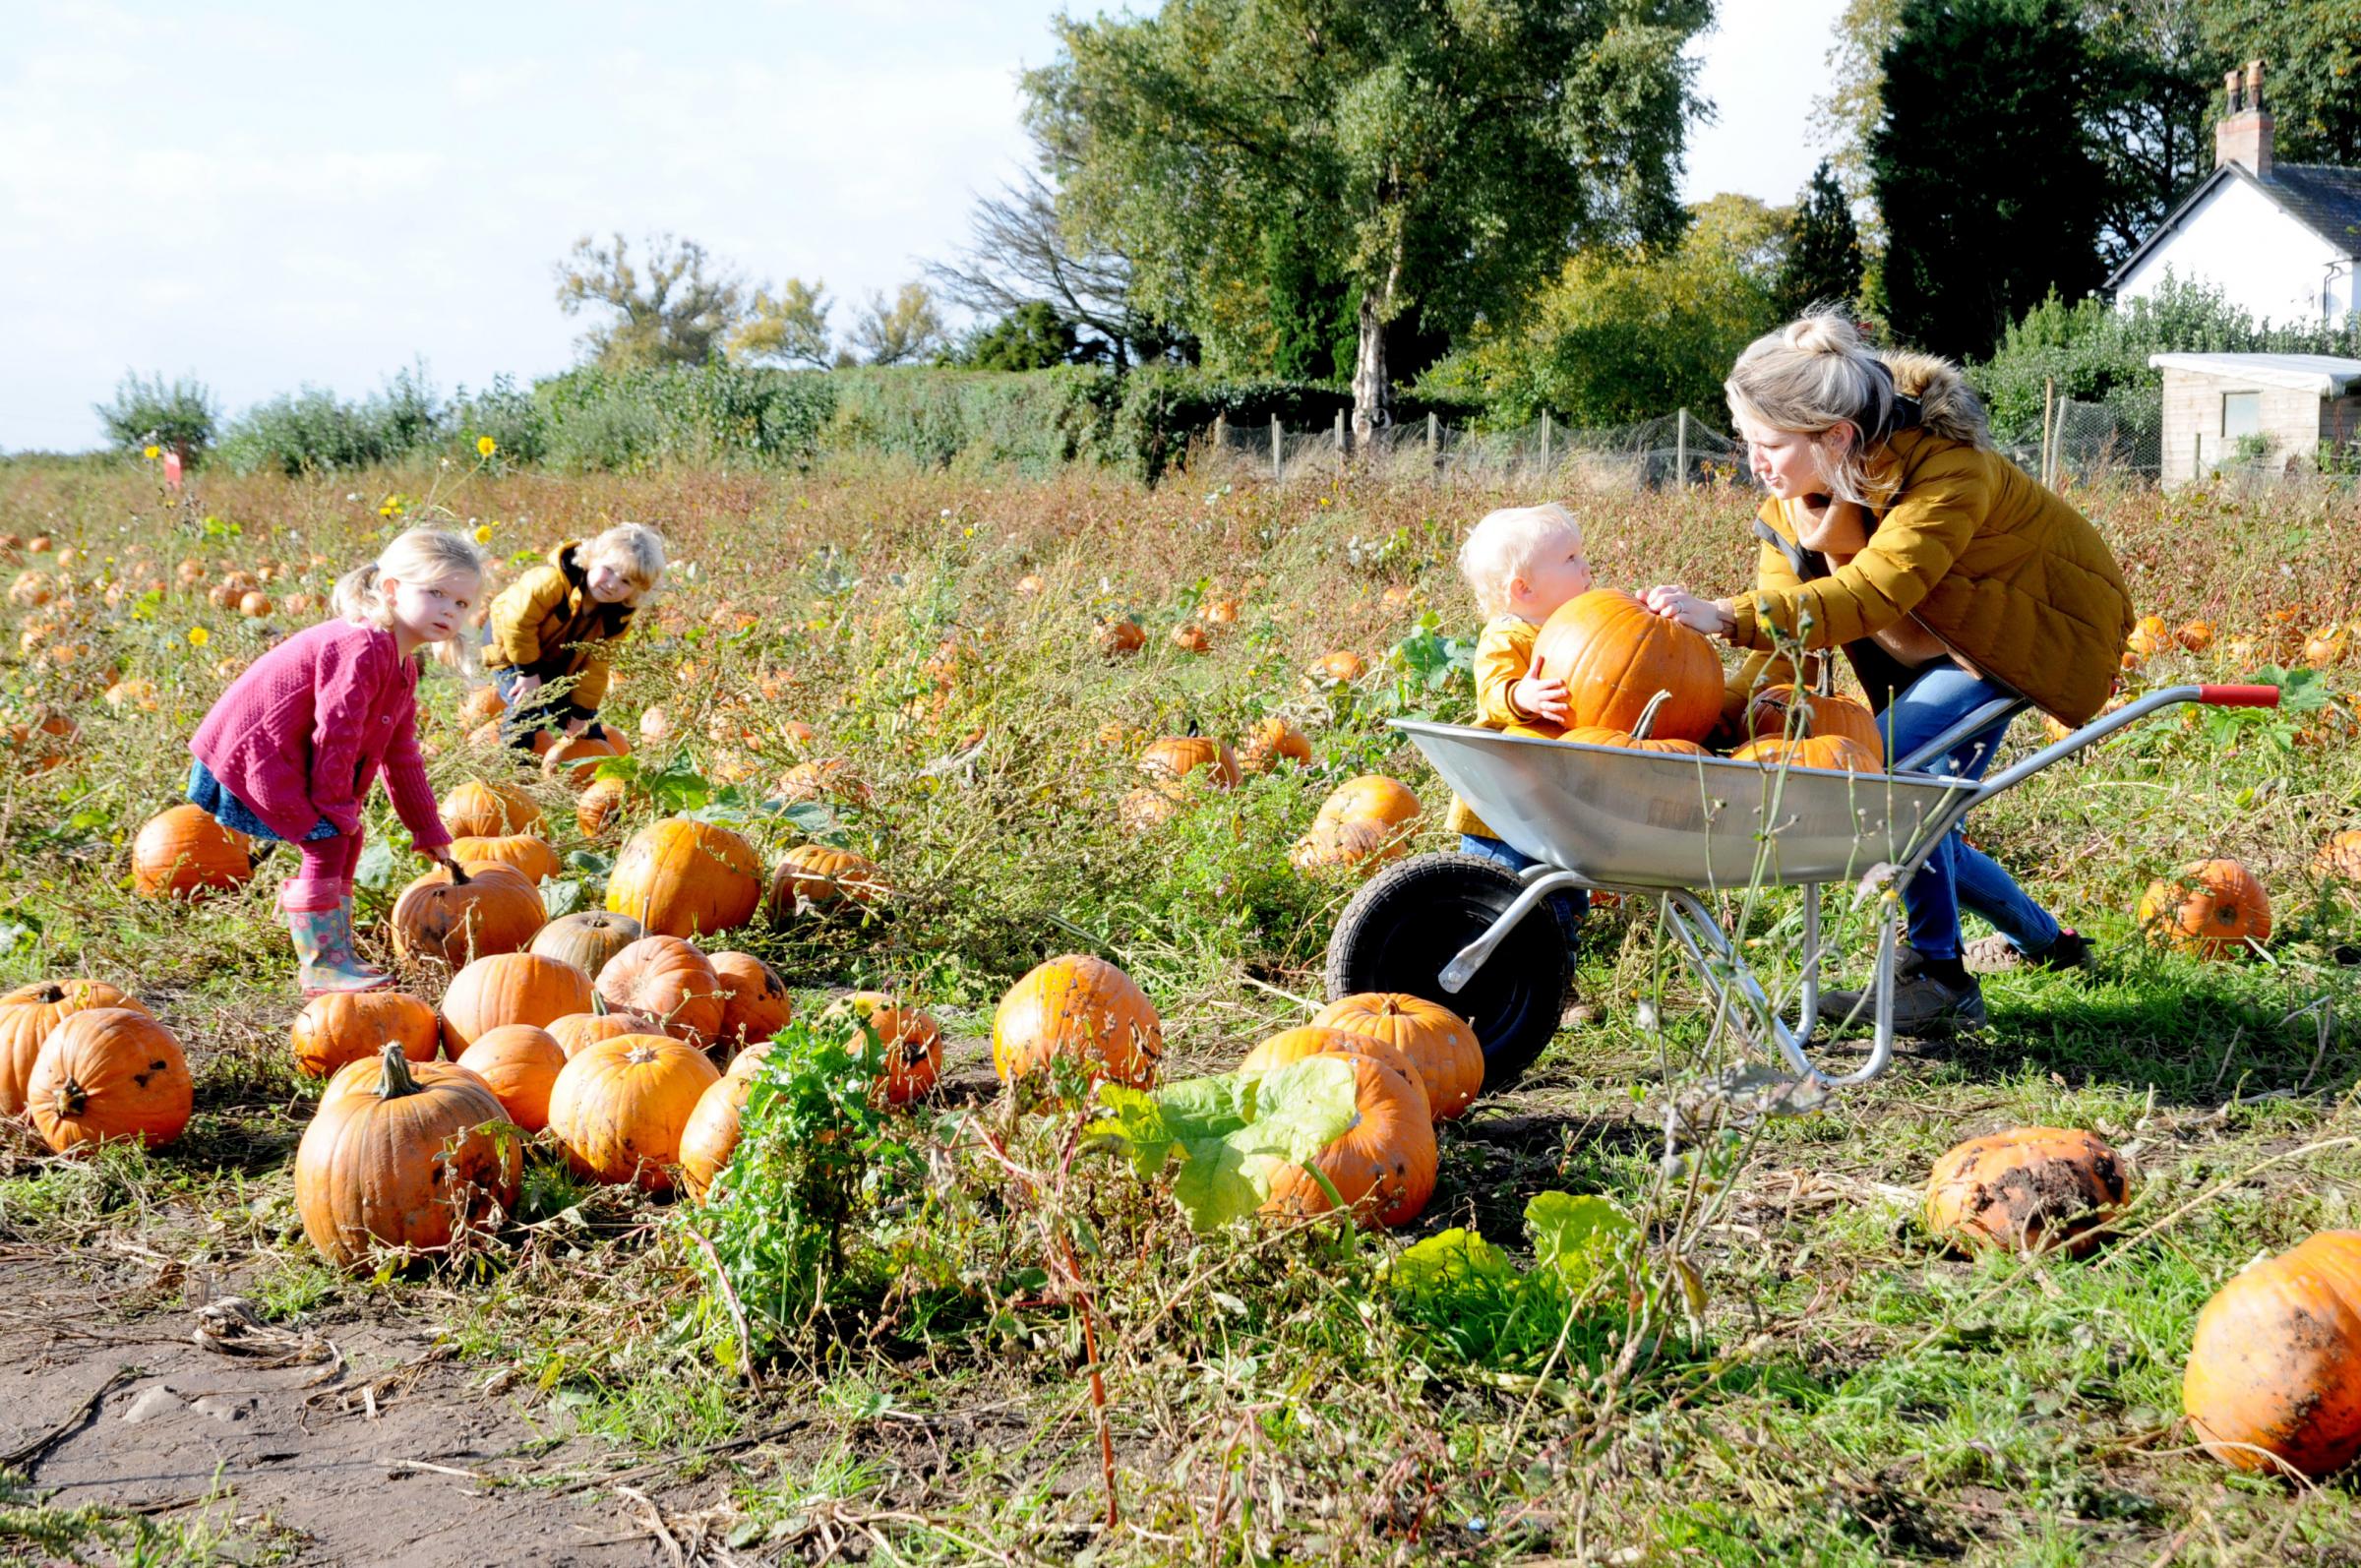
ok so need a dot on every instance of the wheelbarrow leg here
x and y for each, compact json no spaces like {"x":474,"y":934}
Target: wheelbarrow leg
{"x":1728,"y":976}
{"x":1462,"y":968}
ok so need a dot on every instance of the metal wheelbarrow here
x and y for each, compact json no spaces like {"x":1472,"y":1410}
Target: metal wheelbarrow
{"x":1456,"y":930}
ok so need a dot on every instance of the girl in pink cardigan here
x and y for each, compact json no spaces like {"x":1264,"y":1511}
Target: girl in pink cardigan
{"x":289,"y":750}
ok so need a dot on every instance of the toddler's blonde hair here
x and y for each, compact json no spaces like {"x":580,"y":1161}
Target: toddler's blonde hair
{"x":420,"y":555}
{"x":632,"y":549}
{"x":1504,"y":543}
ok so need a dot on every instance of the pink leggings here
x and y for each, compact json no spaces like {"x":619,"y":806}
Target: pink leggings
{"x":324,"y":879}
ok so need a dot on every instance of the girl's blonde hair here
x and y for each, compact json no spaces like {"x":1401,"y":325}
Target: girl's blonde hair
{"x":1503,"y":544}
{"x":1817,"y":371}
{"x":415,"y":555}
{"x":632,"y":548}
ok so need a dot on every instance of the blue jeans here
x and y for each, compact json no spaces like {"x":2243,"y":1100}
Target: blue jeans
{"x":1955,"y":875}
{"x":1569,"y":905}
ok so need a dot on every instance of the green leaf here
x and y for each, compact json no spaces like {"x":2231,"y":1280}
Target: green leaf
{"x":1451,"y":1264}
{"x":375,"y":868}
{"x":1234,"y":1131}
{"x":1577,"y":1237}
{"x":559,"y":899}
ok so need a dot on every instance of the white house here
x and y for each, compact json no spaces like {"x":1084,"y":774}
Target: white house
{"x":2281,"y":239}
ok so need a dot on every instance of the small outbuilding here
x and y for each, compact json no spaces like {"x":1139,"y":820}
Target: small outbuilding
{"x":2273,"y":410}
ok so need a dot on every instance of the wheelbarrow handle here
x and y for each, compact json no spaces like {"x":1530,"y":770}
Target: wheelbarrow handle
{"x":2239,"y":697}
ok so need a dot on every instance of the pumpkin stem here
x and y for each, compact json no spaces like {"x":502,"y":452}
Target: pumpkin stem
{"x":51,"y":994}
{"x":459,"y":875}
{"x":396,"y":1081}
{"x":1639,"y":730}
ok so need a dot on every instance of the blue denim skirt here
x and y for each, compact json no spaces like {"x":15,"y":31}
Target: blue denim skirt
{"x":208,"y":796}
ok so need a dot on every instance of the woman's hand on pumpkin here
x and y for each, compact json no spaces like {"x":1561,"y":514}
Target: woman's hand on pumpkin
{"x":1538,"y":698}
{"x":1675,"y":603}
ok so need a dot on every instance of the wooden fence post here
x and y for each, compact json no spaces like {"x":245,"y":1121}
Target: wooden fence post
{"x":1544,"y":442}
{"x":2049,"y":399}
{"x":1434,"y":450}
{"x":1344,"y":441}
{"x":1680,"y":448}
{"x":1220,"y":435}
{"x":1278,"y":463}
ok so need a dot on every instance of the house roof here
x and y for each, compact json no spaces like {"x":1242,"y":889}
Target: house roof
{"x":2323,"y":374}
{"x":2325,"y":199}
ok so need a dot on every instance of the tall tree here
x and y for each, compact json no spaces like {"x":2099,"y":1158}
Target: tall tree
{"x":2310,"y":52}
{"x":1824,"y":249}
{"x":1849,"y":111}
{"x":2151,"y":116}
{"x":1983,"y":168}
{"x":791,"y":326}
{"x":1442,"y":157}
{"x":674,"y":309}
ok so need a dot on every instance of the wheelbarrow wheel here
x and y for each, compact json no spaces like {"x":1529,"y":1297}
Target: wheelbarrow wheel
{"x":1412,"y":919}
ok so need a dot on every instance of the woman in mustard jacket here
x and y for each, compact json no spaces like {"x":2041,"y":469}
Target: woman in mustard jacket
{"x":1895,"y":533}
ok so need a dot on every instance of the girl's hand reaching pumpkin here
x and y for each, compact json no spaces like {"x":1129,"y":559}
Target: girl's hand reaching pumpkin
{"x":1540,"y":699}
{"x":1676,"y":603}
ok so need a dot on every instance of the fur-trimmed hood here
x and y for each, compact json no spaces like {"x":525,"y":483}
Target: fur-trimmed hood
{"x":1948,"y":405}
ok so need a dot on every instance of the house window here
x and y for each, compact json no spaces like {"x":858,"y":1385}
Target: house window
{"x":2241,"y":414}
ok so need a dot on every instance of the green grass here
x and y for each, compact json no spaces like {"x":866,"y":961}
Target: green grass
{"x":1850,"y":1393}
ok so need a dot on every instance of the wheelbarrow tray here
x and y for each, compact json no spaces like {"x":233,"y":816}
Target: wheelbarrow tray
{"x":1623,"y":818}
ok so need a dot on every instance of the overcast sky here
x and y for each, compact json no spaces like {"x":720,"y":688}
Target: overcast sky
{"x":273,"y":194}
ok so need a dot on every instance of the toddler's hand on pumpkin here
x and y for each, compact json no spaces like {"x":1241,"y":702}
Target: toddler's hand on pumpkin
{"x":1538,"y":698}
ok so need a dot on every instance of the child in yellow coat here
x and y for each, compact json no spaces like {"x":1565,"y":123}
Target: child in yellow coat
{"x":1521,"y":562}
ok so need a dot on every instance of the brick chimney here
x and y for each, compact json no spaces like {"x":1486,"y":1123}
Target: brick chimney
{"x":2243,"y":136}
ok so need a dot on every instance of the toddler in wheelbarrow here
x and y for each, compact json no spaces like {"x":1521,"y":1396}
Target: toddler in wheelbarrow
{"x":1960,"y":591}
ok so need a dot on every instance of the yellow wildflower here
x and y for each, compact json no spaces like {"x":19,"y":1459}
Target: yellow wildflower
{"x":485,"y":446}
{"x":152,"y":452}
{"x":199,"y":636}
{"x":483,"y":533}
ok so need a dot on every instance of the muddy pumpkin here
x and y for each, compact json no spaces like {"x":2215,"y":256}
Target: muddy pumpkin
{"x":911,"y":1040}
{"x":2272,"y":1378}
{"x":754,"y":1002}
{"x":2029,"y":1190}
{"x":1083,"y":1010}
{"x":402,"y":1156}
{"x":1383,"y":1166}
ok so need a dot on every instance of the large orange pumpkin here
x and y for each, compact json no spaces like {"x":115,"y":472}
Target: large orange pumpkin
{"x":1437,"y":1041}
{"x":669,"y":980}
{"x":911,"y":1041}
{"x":487,"y":811}
{"x":618,"y":1108}
{"x":518,"y":1063}
{"x":1641,"y":738}
{"x":1383,"y":1166}
{"x":401,"y":1156}
{"x":1615,"y":654}
{"x":2028,"y":1189}
{"x":1770,"y":715}
{"x":2339,"y":856}
{"x":573,"y":760}
{"x":183,"y":853}
{"x":1371,"y":798}
{"x":1082,"y":1009}
{"x":755,"y":1001}
{"x":357,"y":1025}
{"x":2213,"y":908}
{"x":106,"y":1073}
{"x":586,"y":939}
{"x":710,"y":1135}
{"x":598,"y":811}
{"x":530,"y":858}
{"x":680,"y":877}
{"x":2272,"y":1375}
{"x":29,"y":1014}
{"x":510,"y":988}
{"x":1177,"y":756}
{"x":466,"y":912}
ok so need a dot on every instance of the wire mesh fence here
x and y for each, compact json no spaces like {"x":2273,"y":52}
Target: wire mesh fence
{"x":2093,"y":443}
{"x":1673,"y":449}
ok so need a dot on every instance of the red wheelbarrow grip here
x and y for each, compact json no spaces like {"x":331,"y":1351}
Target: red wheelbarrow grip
{"x":2239,"y":697}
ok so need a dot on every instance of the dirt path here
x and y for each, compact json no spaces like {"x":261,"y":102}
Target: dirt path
{"x":355,"y":1443}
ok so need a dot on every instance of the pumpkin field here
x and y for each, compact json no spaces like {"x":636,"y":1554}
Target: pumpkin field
{"x":885,"y":1105}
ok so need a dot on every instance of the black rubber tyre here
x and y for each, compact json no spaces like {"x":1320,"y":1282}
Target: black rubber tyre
{"x":1412,"y":919}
